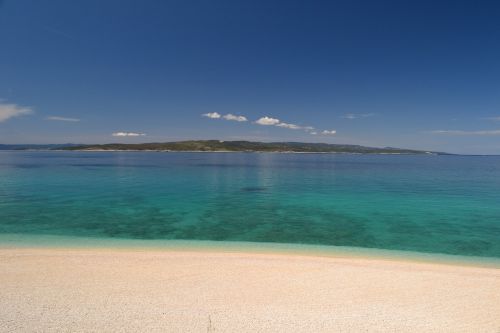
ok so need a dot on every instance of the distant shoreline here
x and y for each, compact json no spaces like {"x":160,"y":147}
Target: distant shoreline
{"x":221,"y":151}
{"x":229,"y":151}
{"x":296,"y":249}
{"x":226,"y":151}
{"x":220,"y":146}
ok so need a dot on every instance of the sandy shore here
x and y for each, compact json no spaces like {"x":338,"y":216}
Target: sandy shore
{"x":113,"y":290}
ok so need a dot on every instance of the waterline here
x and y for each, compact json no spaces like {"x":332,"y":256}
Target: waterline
{"x":8,"y":241}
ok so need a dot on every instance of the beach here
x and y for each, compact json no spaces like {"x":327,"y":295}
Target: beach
{"x":153,"y":290}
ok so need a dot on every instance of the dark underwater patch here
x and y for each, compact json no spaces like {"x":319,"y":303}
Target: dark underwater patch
{"x":254,"y":189}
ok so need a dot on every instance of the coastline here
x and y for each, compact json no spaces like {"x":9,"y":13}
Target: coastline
{"x":228,"y":151}
{"x":219,"y":146}
{"x":130,"y":289}
{"x":54,"y":242}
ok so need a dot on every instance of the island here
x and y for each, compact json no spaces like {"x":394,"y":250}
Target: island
{"x":245,"y":146}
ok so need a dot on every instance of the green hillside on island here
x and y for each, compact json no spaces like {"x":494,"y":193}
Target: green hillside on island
{"x":248,"y":146}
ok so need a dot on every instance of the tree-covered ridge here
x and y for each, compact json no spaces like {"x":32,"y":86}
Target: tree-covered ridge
{"x":248,"y":146}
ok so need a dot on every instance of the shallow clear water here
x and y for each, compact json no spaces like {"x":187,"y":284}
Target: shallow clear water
{"x":437,"y":204}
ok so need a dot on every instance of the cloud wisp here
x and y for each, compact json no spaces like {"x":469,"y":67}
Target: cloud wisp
{"x":212,"y":115}
{"x":229,"y":116}
{"x":123,"y":134}
{"x":10,"y":110}
{"x":267,"y":121}
{"x":461,"y":132}
{"x":289,"y":126}
{"x":57,"y":118}
{"x":232,"y":117}
{"x":352,"y":116}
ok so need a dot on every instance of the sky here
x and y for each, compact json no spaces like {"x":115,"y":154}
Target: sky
{"x":411,"y":74}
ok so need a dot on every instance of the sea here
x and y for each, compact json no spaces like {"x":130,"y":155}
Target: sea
{"x":430,"y":204}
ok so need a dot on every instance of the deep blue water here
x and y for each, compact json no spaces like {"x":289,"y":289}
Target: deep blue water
{"x":437,"y":204}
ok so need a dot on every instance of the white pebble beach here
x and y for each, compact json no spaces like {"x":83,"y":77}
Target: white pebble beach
{"x":133,"y":290}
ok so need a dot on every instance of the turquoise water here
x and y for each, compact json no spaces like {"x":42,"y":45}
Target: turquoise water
{"x":434,"y":204}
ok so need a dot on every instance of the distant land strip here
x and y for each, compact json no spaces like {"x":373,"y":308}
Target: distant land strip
{"x":226,"y":146}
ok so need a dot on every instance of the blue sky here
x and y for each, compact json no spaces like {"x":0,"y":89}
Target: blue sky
{"x":414,"y":74}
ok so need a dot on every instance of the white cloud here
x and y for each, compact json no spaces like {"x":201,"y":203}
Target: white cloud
{"x":357,"y":115}
{"x":267,"y":121}
{"x":8,"y":111}
{"x":289,"y":126}
{"x":329,"y":132}
{"x":212,"y":115}
{"x":128,"y":134}
{"x":56,"y":118}
{"x":230,"y":116}
{"x":460,"y":132}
